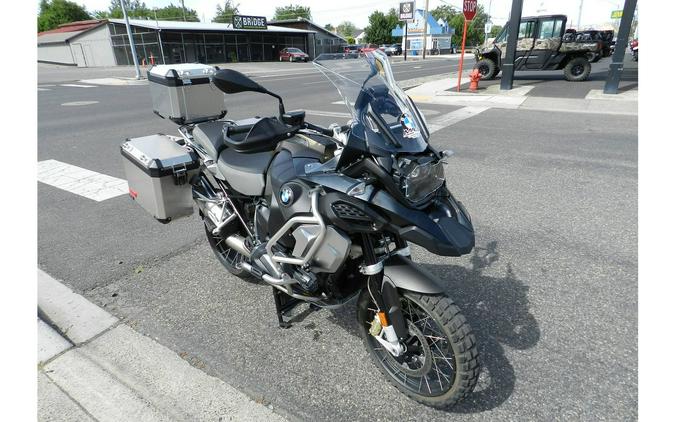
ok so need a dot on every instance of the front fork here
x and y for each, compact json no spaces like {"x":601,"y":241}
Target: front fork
{"x":389,"y":326}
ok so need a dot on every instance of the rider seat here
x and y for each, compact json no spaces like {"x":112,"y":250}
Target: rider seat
{"x":210,"y":136}
{"x":245,"y":172}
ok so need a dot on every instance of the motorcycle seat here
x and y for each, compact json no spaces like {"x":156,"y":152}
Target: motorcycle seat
{"x":210,"y":136}
{"x":263,"y":135}
{"x":245,"y":172}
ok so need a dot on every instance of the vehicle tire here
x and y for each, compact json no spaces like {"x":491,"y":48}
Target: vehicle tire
{"x":577,"y":70}
{"x":228,"y":257}
{"x":433,"y":384}
{"x":635,"y":56}
{"x":487,"y":69}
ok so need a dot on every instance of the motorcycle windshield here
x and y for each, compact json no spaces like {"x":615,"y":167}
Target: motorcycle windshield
{"x":382,"y":114}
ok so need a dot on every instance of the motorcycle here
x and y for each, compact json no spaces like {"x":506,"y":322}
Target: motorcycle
{"x":326,"y":215}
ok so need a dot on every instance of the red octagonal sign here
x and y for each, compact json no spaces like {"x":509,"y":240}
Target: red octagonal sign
{"x":470,"y":7}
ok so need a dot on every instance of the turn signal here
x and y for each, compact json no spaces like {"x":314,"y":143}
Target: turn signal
{"x":383,"y":319}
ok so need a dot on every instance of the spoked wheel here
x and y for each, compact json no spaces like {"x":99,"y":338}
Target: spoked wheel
{"x":228,"y":256}
{"x":440,"y":365}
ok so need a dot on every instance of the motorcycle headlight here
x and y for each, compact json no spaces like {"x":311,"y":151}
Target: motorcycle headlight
{"x":419,"y":180}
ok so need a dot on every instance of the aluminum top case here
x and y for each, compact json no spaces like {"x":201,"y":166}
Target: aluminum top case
{"x":184,"y":93}
{"x":158,"y":171}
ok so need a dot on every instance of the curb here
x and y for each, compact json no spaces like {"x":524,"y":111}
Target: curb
{"x":110,"y":372}
{"x":73,"y":316}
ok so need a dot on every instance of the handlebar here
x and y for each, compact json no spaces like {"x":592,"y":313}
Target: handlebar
{"x":323,"y":130}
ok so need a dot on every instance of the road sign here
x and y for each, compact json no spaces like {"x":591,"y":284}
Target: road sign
{"x":617,"y":14}
{"x":406,"y":11}
{"x":470,"y":8}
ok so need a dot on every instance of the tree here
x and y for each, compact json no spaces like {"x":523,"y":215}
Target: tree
{"x":292,"y":12}
{"x":475,"y":34}
{"x":329,"y":28}
{"x":175,"y":13}
{"x":135,"y":9}
{"x":445,"y":12}
{"x":56,"y":12}
{"x":380,"y":26}
{"x":224,"y":14}
{"x":346,"y":29}
{"x":496,"y":29}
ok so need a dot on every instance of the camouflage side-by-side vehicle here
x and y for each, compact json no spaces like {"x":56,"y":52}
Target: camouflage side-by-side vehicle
{"x":541,"y":46}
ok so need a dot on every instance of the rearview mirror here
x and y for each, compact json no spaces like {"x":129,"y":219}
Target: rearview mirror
{"x":231,"y":82}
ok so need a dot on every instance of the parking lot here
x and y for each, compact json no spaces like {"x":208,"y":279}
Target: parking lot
{"x":550,"y":289}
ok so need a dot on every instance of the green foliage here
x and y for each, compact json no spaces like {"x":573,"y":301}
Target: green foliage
{"x":135,"y":9}
{"x":496,"y":29}
{"x":346,"y":29}
{"x":56,"y":12}
{"x":291,"y":12}
{"x":224,"y":14}
{"x":351,"y":40}
{"x":380,"y":26}
{"x":329,"y":27}
{"x":175,"y":13}
{"x":475,"y":32}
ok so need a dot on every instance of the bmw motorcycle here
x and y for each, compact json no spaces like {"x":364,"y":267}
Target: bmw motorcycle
{"x":326,"y":215}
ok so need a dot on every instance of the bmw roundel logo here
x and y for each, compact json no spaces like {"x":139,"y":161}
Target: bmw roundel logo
{"x":286,"y":195}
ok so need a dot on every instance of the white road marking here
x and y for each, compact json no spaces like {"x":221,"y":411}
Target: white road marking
{"x":79,"y":103}
{"x":428,"y":112}
{"x":78,"y":86}
{"x":44,"y":89}
{"x":417,"y":67}
{"x":456,"y":116}
{"x":45,"y":86}
{"x":317,"y":82}
{"x":83,"y":182}
{"x":328,"y":113}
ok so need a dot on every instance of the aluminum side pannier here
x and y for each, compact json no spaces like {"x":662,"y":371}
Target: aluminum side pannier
{"x":158,"y":171}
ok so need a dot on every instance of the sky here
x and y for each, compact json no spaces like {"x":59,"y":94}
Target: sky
{"x":594,"y":12}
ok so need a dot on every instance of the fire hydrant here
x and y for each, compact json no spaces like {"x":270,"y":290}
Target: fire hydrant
{"x":475,"y":77}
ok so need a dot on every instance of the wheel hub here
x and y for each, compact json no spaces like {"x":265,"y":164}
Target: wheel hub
{"x":416,"y":360}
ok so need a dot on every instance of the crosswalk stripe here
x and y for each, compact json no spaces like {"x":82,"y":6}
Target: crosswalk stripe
{"x":83,"y":182}
{"x":456,"y":116}
{"x":44,"y":89}
{"x":78,"y":85}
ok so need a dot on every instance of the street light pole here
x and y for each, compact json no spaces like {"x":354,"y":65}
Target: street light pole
{"x":131,"y":40}
{"x":581,"y":5}
{"x":424,"y":40}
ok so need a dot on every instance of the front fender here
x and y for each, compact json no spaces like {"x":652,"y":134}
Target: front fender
{"x":405,"y":274}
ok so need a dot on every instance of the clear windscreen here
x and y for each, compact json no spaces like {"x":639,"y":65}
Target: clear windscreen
{"x":377,"y":104}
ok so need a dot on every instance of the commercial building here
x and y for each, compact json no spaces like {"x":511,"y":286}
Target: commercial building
{"x":105,"y":42}
{"x":320,"y":39}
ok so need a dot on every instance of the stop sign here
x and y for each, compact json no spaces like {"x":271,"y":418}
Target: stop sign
{"x":470,"y":7}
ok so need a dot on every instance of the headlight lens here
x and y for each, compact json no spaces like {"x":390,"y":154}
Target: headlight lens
{"x":418,"y":181}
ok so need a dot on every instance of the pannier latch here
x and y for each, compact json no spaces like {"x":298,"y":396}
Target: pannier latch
{"x":180,"y":175}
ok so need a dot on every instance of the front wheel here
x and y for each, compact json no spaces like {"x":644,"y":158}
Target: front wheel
{"x":440,"y":365}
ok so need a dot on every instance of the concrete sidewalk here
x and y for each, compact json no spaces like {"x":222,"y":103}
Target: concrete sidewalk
{"x":441,"y":91}
{"x":92,"y":367}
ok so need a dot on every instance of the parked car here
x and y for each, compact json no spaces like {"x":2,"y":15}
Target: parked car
{"x":293,"y":54}
{"x":393,"y":50}
{"x":634,"y":49}
{"x":352,"y":49}
{"x":367,"y":48}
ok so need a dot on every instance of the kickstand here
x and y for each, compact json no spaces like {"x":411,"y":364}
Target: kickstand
{"x":284,"y":304}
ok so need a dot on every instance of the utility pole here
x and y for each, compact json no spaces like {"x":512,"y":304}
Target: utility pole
{"x":512,"y":26}
{"x":616,"y":67}
{"x":581,"y":5}
{"x":131,"y":40}
{"x":489,"y":20}
{"x":424,"y":40}
{"x":182,"y":3}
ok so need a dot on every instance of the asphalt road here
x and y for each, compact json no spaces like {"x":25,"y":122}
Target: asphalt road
{"x":551,"y":289}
